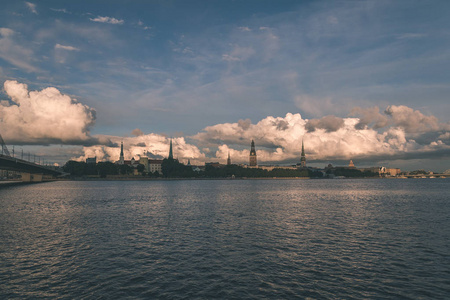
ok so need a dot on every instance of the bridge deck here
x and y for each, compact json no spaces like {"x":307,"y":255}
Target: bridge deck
{"x":19,"y":165}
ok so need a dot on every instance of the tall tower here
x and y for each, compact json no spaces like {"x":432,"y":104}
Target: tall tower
{"x":121,"y":158}
{"x":303,"y":158}
{"x":229,"y":159}
{"x":253,"y":162}
{"x":170,"y":150}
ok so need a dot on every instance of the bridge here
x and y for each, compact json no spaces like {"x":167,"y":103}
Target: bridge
{"x":30,"y":170}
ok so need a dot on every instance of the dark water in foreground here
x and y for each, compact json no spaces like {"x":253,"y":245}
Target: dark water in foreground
{"x":252,"y":239}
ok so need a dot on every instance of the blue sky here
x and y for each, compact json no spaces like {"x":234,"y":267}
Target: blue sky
{"x":176,"y":67}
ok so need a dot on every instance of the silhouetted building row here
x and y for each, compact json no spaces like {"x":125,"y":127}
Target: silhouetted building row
{"x":253,"y":161}
{"x":153,"y":165}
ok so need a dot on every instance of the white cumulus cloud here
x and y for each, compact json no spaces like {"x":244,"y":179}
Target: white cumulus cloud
{"x":244,"y":28}
{"x":69,"y":48}
{"x":5,"y":32}
{"x":107,"y":20}
{"x":43,"y":117}
{"x":31,"y":7}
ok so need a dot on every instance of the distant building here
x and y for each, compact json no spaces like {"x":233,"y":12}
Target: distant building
{"x":155,"y":165}
{"x":351,"y":165}
{"x":383,"y":171}
{"x":228,"y":159}
{"x":253,"y":161}
{"x":391,"y":172}
{"x":132,"y":162}
{"x":144,"y":161}
{"x":91,"y":160}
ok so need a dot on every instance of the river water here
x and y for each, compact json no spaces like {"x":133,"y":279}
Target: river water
{"x":226,"y":239}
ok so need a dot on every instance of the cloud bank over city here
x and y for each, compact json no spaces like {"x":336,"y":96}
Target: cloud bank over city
{"x":362,"y":80}
{"x":399,"y":132}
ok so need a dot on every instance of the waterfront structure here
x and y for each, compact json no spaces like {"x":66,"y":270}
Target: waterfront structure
{"x":303,"y":157}
{"x":253,"y":161}
{"x":170,"y":150}
{"x":5,"y":174}
{"x":228,"y":159}
{"x":271,"y":168}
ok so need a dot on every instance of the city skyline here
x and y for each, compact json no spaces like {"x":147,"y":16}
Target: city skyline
{"x":366,"y":81}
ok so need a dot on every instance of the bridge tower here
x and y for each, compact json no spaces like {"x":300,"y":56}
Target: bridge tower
{"x":4,"y":148}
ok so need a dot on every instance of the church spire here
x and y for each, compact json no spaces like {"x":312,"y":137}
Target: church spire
{"x":303,"y":157}
{"x":170,"y":150}
{"x":121,"y":158}
{"x":303,"y":149}
{"x":229,"y":159}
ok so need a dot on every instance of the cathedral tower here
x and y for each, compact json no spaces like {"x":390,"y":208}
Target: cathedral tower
{"x":253,"y":162}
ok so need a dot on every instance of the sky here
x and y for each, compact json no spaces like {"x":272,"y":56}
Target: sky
{"x":361,"y":80}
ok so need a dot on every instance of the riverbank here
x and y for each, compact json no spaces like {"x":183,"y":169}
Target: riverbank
{"x":15,"y":183}
{"x":131,"y":178}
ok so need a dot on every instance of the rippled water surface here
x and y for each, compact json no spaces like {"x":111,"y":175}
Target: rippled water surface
{"x":230,"y":239}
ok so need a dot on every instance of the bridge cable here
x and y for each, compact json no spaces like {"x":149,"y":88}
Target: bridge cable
{"x":4,"y":148}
